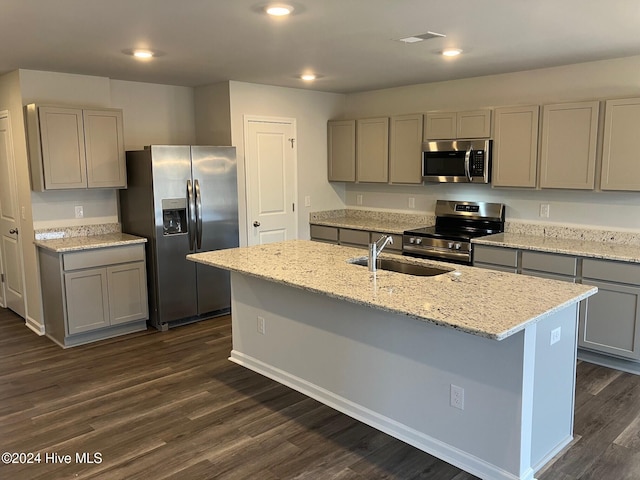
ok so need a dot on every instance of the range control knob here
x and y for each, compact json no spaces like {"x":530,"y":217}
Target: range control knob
{"x":450,"y":245}
{"x":412,"y":240}
{"x":418,"y":241}
{"x":457,"y":246}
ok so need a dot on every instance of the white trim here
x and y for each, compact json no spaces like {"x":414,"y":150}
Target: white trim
{"x":34,"y":325}
{"x":426,"y":443}
{"x":247,"y":119}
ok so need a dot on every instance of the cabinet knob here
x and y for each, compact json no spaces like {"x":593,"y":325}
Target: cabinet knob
{"x":256,"y":223}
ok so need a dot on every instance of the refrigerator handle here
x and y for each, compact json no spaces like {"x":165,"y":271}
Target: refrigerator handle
{"x":198,"y":214}
{"x":191,"y":211}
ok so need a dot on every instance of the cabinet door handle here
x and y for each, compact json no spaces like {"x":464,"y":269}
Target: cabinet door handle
{"x":13,"y":230}
{"x":256,"y":223}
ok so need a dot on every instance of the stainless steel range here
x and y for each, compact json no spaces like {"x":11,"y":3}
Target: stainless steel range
{"x":456,"y":224}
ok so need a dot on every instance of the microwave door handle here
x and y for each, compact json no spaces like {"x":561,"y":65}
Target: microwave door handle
{"x":467,"y":159}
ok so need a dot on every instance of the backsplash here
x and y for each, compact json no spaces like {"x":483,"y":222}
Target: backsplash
{"x":419,"y":219}
{"x":573,"y":233}
{"x":77,"y":231}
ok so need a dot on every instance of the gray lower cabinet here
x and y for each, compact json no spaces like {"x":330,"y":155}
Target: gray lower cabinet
{"x":495,"y":258}
{"x":549,"y":265}
{"x":610,"y":320}
{"x":94,"y":294}
{"x":353,"y":238}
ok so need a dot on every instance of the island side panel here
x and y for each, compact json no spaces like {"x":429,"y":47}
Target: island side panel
{"x":394,"y":373}
{"x":554,"y":385}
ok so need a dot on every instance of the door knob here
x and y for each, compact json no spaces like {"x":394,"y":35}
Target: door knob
{"x":256,"y":223}
{"x":13,"y":230}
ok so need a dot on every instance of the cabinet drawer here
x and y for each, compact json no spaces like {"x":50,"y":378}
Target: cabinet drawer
{"x":613,"y":271}
{"x":102,"y":256}
{"x":321,"y":232}
{"x":549,"y":262}
{"x":552,"y":276}
{"x":495,"y":255}
{"x":354,"y":237}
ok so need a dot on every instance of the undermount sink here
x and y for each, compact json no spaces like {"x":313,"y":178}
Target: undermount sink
{"x":404,"y":267}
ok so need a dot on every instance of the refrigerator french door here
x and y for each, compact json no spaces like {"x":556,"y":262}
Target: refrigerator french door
{"x":183,"y":199}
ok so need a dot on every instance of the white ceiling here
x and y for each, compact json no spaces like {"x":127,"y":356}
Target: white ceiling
{"x":352,"y":43}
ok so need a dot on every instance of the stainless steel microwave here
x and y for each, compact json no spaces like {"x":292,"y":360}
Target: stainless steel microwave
{"x":457,"y":161}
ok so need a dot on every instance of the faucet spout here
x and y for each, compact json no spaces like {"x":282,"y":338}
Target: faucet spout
{"x":376,"y":248}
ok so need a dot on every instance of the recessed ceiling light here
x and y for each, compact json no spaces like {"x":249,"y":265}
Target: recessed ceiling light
{"x":278,"y":10}
{"x":142,"y":53}
{"x":451,"y":52}
{"x":308,"y":77}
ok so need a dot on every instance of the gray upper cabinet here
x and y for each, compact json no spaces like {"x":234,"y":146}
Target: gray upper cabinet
{"x":452,"y":125}
{"x":405,"y":165}
{"x":372,"y":150}
{"x":75,"y":148}
{"x":515,"y":146}
{"x":341,"y":138}
{"x":568,"y":150}
{"x":620,"y":153}
{"x":104,"y":147}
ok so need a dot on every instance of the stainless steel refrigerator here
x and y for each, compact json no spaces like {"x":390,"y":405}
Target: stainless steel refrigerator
{"x":183,"y":199}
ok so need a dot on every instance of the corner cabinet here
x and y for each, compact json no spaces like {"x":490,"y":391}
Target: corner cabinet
{"x":568,"y":151}
{"x":93,"y":294}
{"x":515,"y":146}
{"x":405,"y":149}
{"x":72,"y":148}
{"x":341,"y":148}
{"x":620,"y":154}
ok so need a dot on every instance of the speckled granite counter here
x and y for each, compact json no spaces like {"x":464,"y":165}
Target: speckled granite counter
{"x":71,"y":244}
{"x":481,"y":302}
{"x":373,"y":221}
{"x":582,"y":248}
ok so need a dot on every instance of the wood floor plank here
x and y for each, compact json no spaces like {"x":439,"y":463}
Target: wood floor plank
{"x":169,"y":405}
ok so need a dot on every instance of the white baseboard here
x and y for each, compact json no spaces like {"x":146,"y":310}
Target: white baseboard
{"x":34,"y":325}
{"x":426,"y":443}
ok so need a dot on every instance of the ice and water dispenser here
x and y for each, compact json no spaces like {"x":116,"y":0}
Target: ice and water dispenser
{"x":174,"y":216}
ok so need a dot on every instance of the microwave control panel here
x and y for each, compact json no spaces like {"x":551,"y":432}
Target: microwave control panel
{"x":477,"y":163}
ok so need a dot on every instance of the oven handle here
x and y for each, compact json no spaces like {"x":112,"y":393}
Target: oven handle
{"x":467,"y":160}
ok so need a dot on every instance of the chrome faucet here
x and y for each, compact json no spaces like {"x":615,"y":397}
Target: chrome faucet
{"x":375,"y":249}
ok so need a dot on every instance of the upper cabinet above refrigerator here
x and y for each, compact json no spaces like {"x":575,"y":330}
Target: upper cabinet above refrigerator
{"x":74,"y":147}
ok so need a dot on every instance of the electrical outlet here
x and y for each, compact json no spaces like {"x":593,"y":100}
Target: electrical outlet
{"x":544,"y":210}
{"x":307,"y":201}
{"x":79,"y":211}
{"x":359,"y":199}
{"x":261,"y":326}
{"x":555,"y":335}
{"x":412,"y":202}
{"x":457,"y":397}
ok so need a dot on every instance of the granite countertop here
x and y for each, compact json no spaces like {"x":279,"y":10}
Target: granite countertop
{"x":581,"y":248}
{"x":73,"y":244}
{"x":373,"y":221}
{"x":481,"y":302}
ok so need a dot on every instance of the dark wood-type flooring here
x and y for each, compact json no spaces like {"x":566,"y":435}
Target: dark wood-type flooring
{"x":171,"y":406}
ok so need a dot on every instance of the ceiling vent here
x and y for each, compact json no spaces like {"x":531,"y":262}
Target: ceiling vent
{"x":421,"y":37}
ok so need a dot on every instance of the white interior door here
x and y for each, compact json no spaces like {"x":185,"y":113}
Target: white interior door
{"x":270,"y":161}
{"x":10,"y":250}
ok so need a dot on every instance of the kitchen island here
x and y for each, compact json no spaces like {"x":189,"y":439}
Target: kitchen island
{"x":475,"y":367}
